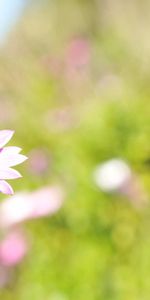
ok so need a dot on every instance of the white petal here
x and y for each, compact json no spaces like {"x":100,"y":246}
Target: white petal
{"x":9,"y":174}
{"x":16,"y":209}
{"x":5,"y":136}
{"x":5,"y":188}
{"x":11,"y":149}
{"x":8,"y":159}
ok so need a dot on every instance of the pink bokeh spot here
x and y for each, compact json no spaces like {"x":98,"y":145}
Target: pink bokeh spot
{"x":78,"y":53}
{"x":39,"y":161}
{"x":13,"y":249}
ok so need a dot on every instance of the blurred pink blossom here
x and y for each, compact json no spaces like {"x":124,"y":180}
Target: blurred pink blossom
{"x":78,"y":53}
{"x":13,"y":249}
{"x":77,"y":66}
{"x":39,"y":161}
{"x":9,"y":157}
{"x":24,"y":206}
{"x":75,"y":58}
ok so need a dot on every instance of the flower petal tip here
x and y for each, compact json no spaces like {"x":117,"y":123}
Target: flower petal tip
{"x":6,"y":188}
{"x":5,"y":137}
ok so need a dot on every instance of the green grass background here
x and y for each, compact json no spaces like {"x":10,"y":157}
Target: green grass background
{"x":98,"y":246}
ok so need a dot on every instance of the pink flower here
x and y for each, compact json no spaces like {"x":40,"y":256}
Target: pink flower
{"x":9,"y":157}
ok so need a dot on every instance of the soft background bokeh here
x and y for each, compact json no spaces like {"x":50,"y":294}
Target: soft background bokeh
{"x":75,"y":85}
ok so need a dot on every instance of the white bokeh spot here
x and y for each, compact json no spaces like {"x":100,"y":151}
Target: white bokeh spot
{"x":112,"y":175}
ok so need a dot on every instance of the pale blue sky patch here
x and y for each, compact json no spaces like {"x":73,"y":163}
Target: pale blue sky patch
{"x":10,"y":11}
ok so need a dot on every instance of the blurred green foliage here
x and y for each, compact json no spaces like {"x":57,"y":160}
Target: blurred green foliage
{"x":98,"y":246}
